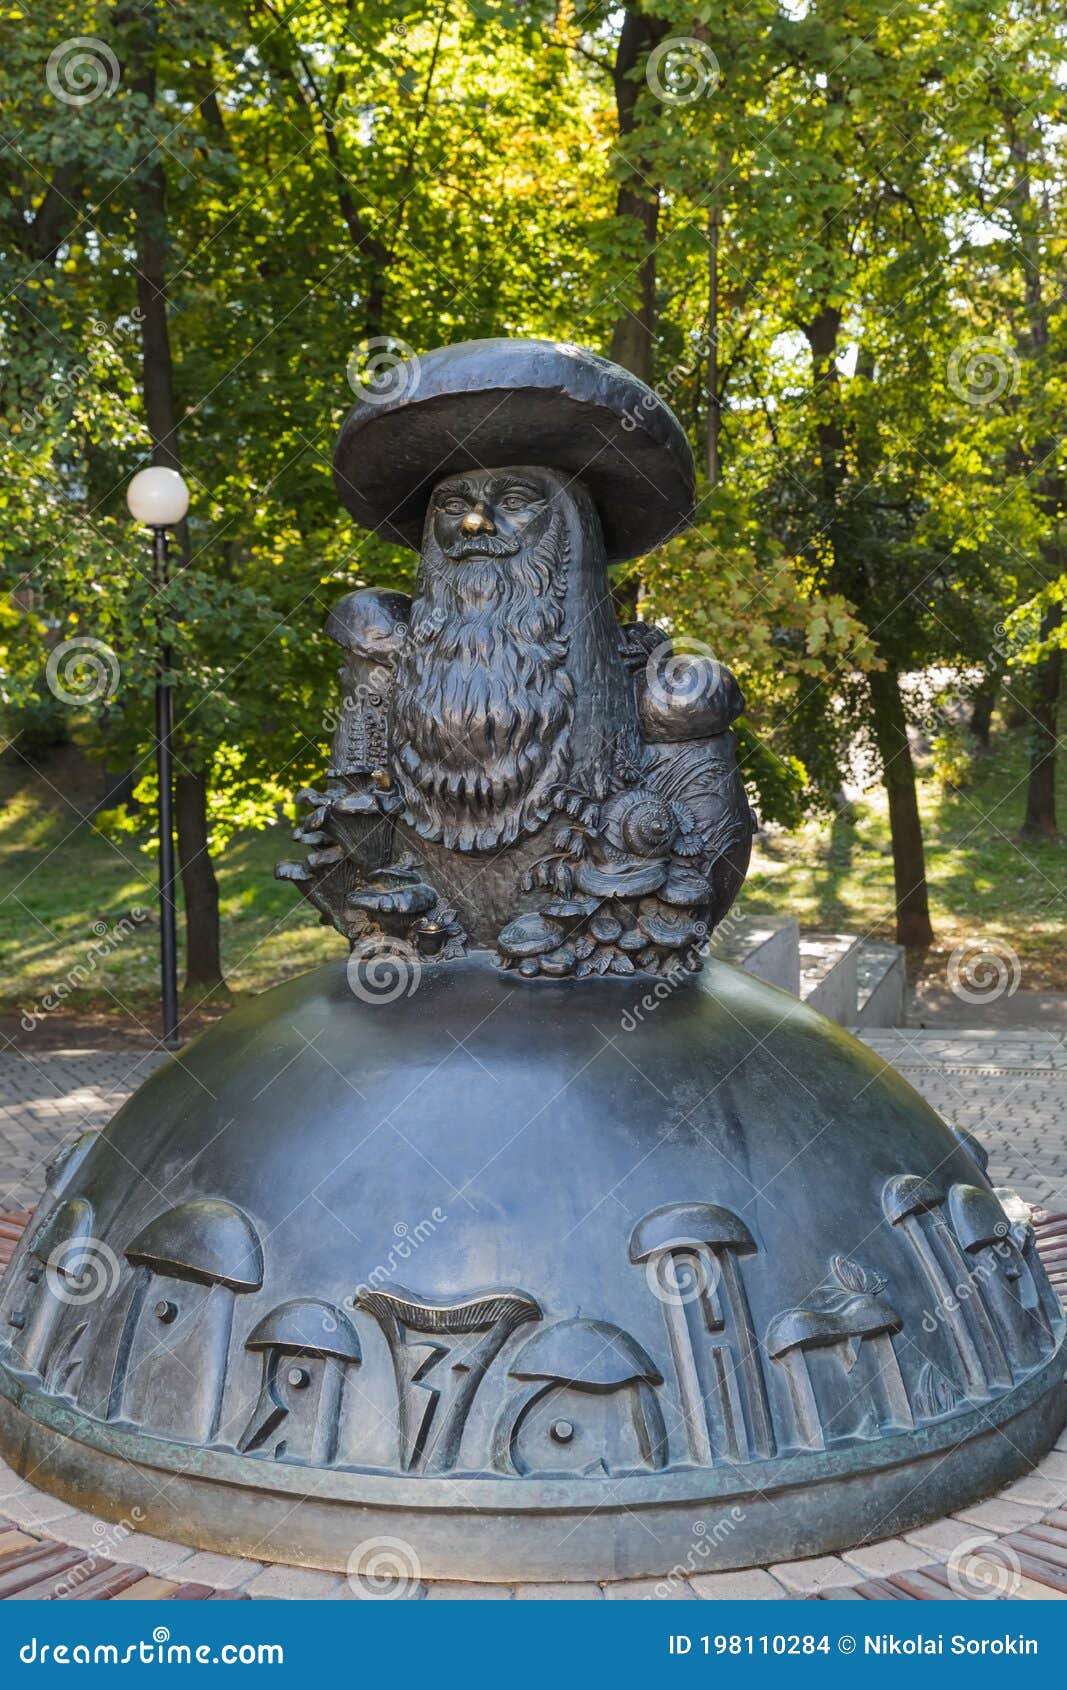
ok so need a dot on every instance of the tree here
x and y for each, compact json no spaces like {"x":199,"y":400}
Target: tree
{"x":798,"y":223}
{"x":210,"y":230}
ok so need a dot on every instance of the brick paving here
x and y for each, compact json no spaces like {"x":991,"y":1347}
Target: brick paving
{"x":1008,"y":1088}
{"x":48,"y":1098}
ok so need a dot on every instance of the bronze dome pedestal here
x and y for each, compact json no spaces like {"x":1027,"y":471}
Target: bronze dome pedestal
{"x":528,"y":1243}
{"x":651,"y":1245}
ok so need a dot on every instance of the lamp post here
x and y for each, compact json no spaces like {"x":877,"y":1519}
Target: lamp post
{"x":159,"y":498}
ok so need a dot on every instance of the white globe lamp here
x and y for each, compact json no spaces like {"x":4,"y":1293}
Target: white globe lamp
{"x":157,"y":497}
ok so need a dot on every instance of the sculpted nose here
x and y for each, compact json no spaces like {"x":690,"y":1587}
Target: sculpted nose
{"x":477,"y":521}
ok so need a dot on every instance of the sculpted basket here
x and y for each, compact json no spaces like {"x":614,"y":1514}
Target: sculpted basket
{"x":521,"y":1245}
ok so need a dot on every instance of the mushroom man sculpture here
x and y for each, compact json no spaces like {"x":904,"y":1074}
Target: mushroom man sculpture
{"x":554,"y":785}
{"x":527,"y":1231}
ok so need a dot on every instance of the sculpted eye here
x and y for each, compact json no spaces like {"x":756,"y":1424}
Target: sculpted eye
{"x":514,"y":502}
{"x":454,"y":505}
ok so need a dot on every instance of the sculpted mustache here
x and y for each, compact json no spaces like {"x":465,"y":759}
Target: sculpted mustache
{"x":480,"y":545}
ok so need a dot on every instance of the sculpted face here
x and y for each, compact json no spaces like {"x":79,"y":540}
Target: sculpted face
{"x":490,"y":513}
{"x":483,"y":702}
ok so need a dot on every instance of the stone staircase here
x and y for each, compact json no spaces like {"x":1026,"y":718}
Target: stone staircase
{"x":856,"y":982}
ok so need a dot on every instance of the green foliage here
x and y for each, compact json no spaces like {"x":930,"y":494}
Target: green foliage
{"x":952,"y":758}
{"x":837,"y":878}
{"x":840,"y":879}
{"x":886,"y":189}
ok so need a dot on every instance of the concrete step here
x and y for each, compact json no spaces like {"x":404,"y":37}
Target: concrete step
{"x":881,"y":974}
{"x":828,"y":974}
{"x":856,"y":982}
{"x":767,"y":948}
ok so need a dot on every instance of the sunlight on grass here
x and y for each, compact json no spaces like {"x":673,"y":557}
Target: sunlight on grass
{"x":78,"y":919}
{"x":983,"y":878}
{"x":69,"y":894}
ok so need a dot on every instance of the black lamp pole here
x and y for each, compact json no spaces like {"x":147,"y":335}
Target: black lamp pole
{"x":168,"y":922}
{"x":158,"y":497}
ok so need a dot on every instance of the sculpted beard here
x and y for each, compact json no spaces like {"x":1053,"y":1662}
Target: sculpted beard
{"x":483,"y":702}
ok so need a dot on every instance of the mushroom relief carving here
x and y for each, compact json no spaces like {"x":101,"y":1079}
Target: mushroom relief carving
{"x":590,"y":1406}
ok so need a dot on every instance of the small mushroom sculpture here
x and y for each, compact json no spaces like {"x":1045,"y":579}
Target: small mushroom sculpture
{"x":589,"y":1404}
{"x":166,"y":1345}
{"x":307,"y":1347}
{"x":1002,"y":1275}
{"x":48,"y":1279}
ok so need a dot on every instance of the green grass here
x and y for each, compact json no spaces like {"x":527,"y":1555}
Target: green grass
{"x":59,"y":876}
{"x":984,"y":880}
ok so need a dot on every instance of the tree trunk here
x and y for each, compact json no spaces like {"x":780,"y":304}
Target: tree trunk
{"x":56,"y":215}
{"x":625,"y":594}
{"x":1040,"y":818}
{"x":898,"y":776}
{"x":633,"y":339}
{"x":157,"y":366}
{"x":203,"y":963}
{"x":822,"y":336}
{"x":888,"y":720}
{"x":714,"y":413}
{"x":983,"y":701}
{"x":633,"y":335}
{"x":1031,"y":226}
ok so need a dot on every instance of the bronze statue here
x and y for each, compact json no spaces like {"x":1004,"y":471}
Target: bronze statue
{"x":531,"y":1251}
{"x":586,"y":773}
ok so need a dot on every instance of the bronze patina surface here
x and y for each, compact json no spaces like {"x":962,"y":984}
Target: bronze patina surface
{"x":527,"y":1236}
